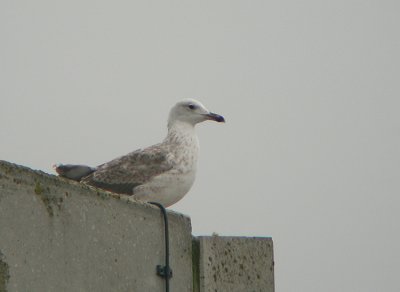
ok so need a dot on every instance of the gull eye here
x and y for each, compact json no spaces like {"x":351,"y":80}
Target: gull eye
{"x":192,"y":106}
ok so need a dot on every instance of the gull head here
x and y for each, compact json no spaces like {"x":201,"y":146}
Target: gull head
{"x":192,"y":112}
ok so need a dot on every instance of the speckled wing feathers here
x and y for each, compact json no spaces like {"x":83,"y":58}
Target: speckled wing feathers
{"x":123,"y":174}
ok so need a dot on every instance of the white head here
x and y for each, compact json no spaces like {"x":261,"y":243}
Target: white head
{"x":192,"y":112}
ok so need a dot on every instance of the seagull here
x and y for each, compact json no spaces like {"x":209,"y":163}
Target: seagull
{"x":162,"y":173}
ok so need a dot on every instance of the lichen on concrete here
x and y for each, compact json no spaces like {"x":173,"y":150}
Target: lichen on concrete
{"x":4,"y":273}
{"x":49,"y":200}
{"x":196,"y":264}
{"x":38,"y":188}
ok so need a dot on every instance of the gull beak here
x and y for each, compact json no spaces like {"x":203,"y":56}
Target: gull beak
{"x":215,"y":117}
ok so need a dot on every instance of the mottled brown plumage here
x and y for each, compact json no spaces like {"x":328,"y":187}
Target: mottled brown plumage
{"x":124,"y":173}
{"x":164,"y":172}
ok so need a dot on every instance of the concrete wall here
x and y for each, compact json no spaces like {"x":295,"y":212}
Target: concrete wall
{"x":61,"y":236}
{"x":57,"y":235}
{"x":235,"y":264}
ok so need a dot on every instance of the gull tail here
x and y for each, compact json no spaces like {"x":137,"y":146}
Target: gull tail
{"x":73,"y":171}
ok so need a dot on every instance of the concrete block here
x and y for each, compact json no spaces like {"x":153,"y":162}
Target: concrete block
{"x":235,"y":264}
{"x":57,"y":235}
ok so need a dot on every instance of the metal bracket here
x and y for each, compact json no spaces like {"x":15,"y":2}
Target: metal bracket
{"x":164,"y":271}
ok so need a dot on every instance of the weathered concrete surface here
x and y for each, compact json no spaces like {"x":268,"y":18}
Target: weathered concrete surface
{"x":57,"y":235}
{"x":235,"y":264}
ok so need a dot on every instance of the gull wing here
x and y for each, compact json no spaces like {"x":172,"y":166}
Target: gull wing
{"x":123,"y":174}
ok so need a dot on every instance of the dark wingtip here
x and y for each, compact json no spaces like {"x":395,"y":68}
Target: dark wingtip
{"x":74,"y":172}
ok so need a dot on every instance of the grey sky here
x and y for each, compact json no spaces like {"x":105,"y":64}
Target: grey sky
{"x":310,"y":153}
